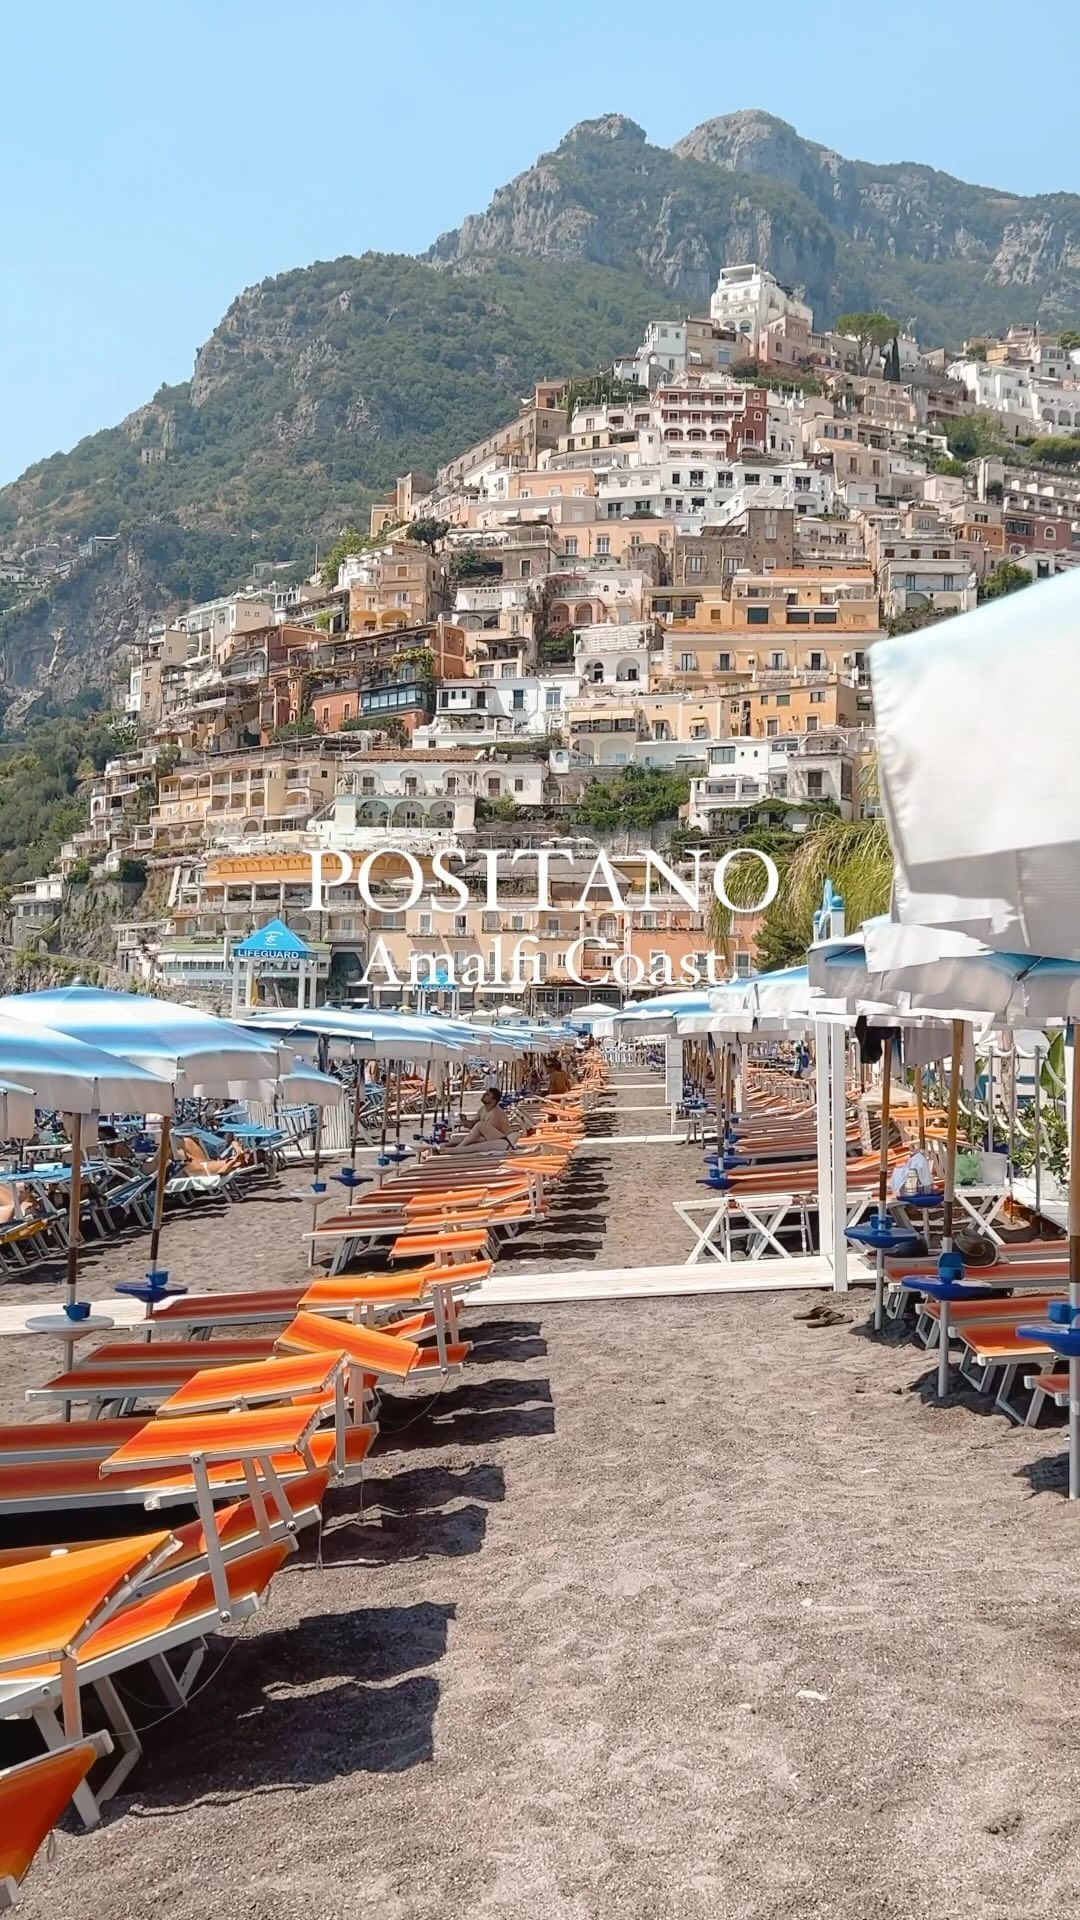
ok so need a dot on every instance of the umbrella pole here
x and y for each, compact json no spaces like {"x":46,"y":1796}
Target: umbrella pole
{"x":397,"y":1103}
{"x":883,"y":1187}
{"x":424,"y":1094}
{"x":950,"y":1200}
{"x":316,"y":1188}
{"x":1037,"y":1132}
{"x":1075,"y":1275}
{"x":74,"y":1210}
{"x":358,"y":1090}
{"x":160,"y":1181}
{"x":920,"y":1109}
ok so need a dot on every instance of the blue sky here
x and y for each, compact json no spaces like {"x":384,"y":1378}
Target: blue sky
{"x":158,"y":156}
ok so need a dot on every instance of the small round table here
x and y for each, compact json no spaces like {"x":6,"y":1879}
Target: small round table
{"x":68,"y":1332}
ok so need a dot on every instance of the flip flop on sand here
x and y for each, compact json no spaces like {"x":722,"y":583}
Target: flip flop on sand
{"x":822,"y":1315}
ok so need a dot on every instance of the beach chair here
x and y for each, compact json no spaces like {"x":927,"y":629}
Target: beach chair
{"x":360,"y":1296}
{"x":382,"y":1356}
{"x":33,"y":1795}
{"x":74,"y":1621}
{"x":993,"y":1348}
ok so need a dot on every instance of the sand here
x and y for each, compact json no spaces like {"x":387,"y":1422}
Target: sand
{"x":670,"y":1608}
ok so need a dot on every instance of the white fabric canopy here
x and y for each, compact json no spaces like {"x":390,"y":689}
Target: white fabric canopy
{"x":977,"y":762}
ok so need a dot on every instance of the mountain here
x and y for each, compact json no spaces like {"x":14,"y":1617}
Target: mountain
{"x":953,"y":259}
{"x":321,"y":384}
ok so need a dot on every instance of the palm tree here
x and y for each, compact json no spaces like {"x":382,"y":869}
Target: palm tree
{"x":856,"y":857}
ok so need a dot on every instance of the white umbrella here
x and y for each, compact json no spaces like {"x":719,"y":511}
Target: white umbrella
{"x":79,"y":1080}
{"x":198,"y":1054}
{"x":977,"y":766}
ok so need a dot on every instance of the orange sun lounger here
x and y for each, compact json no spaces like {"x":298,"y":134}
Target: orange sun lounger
{"x":75,"y":1620}
{"x":33,"y":1795}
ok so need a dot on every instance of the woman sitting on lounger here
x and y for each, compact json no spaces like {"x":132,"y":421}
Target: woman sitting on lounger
{"x":198,"y":1161}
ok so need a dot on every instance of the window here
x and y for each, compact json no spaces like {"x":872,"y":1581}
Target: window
{"x":783,"y":699}
{"x":346,"y":710}
{"x":817,"y":699}
{"x":490,"y":922}
{"x":815,"y":784}
{"x":824,"y":617}
{"x":777,"y":662}
{"x":811,"y":723}
{"x":772,"y":727}
{"x":481,"y":698}
{"x":723,"y":663}
{"x":494,"y":787}
{"x":326,"y":716}
{"x":817,"y":663}
{"x":424,"y":923}
{"x":461,"y":925}
{"x":518,"y":700}
{"x":553,"y":697}
{"x":676,"y":479}
{"x":757,"y":616}
{"x":723,"y":756}
{"x":519,"y":786}
{"x":603,"y":543}
{"x":798,"y":617}
{"x":688,"y":663}
{"x":570,"y":547}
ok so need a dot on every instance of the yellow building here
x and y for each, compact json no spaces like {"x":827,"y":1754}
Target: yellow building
{"x":401,"y":584}
{"x":266,"y":790}
{"x":781,"y":704}
{"x":844,"y":598}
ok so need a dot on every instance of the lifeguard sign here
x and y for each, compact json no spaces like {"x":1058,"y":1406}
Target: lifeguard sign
{"x":274,"y":952}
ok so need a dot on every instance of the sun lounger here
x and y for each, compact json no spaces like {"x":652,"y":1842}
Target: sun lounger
{"x":993,"y":1347}
{"x":349,"y":1295}
{"x":77,"y":1620}
{"x":383,"y":1355}
{"x":33,"y":1795}
{"x":1008,"y":1307}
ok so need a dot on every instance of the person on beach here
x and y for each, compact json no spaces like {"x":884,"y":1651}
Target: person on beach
{"x":558,"y":1080}
{"x":491,"y":1123}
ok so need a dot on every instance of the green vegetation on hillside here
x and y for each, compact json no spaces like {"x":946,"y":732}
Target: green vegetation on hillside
{"x":321,"y":386}
{"x":41,"y":777}
{"x":638,"y":797}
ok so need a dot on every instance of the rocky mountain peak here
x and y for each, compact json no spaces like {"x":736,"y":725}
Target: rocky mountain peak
{"x":609,"y":126}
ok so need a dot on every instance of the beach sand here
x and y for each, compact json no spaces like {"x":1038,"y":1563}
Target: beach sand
{"x":670,"y":1608}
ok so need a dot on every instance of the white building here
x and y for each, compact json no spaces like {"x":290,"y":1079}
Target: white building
{"x":794,"y":768}
{"x":1008,"y":390}
{"x":749,"y":298}
{"x":475,"y":713}
{"x":609,"y":657}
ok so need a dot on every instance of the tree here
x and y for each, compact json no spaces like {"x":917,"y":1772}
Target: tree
{"x":855,"y":856}
{"x":871,"y":332}
{"x":1058,"y":450}
{"x":1069,"y":340}
{"x":1007,"y":577}
{"x":427,"y":532}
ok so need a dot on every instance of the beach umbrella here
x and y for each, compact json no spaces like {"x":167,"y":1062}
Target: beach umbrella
{"x":79,"y":1080}
{"x":369,"y":1035}
{"x":200,"y":1055}
{"x":656,"y":1018}
{"x":978,"y":780}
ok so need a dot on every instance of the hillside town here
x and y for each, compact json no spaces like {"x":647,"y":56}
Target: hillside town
{"x":675,"y":568}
